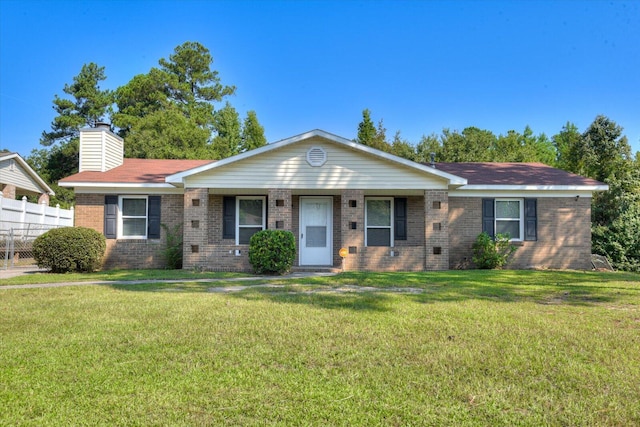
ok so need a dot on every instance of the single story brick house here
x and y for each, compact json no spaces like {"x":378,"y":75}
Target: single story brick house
{"x":389,"y":213}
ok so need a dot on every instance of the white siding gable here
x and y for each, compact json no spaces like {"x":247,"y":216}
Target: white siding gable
{"x":287,"y":167}
{"x":11,"y":172}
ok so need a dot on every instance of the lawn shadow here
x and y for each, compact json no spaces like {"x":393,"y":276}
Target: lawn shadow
{"x":376,"y":292}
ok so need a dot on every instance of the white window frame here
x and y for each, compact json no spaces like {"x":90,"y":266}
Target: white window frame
{"x":264,"y":215}
{"x":520,"y":219}
{"x":122,"y":217}
{"x":391,"y":220}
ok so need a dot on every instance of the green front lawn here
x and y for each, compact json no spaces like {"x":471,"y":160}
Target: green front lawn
{"x":114,"y":275}
{"x":445,"y":348}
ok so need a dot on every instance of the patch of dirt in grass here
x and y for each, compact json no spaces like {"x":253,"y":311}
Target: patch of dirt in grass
{"x":556,"y":299}
{"x":325,"y":289}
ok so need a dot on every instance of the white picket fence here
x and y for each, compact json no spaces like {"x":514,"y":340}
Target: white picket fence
{"x":21,"y":222}
{"x":20,"y":214}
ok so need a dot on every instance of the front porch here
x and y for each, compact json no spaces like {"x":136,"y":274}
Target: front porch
{"x":215,"y":239}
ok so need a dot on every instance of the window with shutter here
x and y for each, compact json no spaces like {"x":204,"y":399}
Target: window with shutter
{"x":515,"y":217}
{"x":378,"y":221}
{"x":251,"y":217}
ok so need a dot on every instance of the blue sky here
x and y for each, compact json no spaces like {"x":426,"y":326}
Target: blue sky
{"x":420,"y":65}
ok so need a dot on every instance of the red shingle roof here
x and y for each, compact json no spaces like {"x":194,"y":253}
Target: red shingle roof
{"x":148,"y":171}
{"x":514,"y":174}
{"x":154,"y":171}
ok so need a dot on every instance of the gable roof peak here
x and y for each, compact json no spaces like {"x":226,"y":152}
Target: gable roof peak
{"x":178,"y":178}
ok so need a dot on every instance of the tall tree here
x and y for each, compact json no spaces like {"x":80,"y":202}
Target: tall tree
{"x":366,"y":129}
{"x":402,"y":148}
{"x":184,"y":84}
{"x":472,"y":145}
{"x":427,"y":147}
{"x":227,"y":124}
{"x":252,"y":135}
{"x":568,"y":143}
{"x":86,"y":105}
{"x":615,"y":213}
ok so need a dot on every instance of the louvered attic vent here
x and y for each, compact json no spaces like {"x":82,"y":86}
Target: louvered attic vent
{"x":316,"y":156}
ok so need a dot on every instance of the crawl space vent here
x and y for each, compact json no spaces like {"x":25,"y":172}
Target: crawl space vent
{"x":316,"y":156}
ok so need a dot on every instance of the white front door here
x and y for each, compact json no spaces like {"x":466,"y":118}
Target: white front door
{"x":316,"y":234}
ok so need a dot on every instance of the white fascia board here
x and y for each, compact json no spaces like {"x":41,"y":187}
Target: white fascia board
{"x":94,"y":185}
{"x":520,"y":193}
{"x":178,"y":178}
{"x":129,"y":190}
{"x":603,"y":187}
{"x":30,"y":171}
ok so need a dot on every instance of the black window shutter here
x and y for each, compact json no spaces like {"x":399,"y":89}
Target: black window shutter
{"x":154,"y":217}
{"x":266,"y":213}
{"x":488,"y":216}
{"x":531,"y":219}
{"x":111,"y":217}
{"x":400,"y":218}
{"x":229,"y":217}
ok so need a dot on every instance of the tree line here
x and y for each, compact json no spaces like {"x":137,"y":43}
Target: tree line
{"x":168,"y":113}
{"x":600,"y":152}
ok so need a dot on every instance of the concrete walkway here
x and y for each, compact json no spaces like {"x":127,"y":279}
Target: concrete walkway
{"x":19,"y":271}
{"x":262,"y":282}
{"x":13,"y":273}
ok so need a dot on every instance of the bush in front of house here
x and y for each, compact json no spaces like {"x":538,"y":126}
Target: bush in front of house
{"x":172,"y":252}
{"x":272,"y":251}
{"x":69,"y":249}
{"x":490,"y":253}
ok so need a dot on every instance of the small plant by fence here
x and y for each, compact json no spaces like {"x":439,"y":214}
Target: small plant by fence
{"x":20,"y":223}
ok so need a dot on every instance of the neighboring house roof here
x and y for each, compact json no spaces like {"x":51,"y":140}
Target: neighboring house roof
{"x":510,"y":175}
{"x":33,"y":181}
{"x":136,"y":171}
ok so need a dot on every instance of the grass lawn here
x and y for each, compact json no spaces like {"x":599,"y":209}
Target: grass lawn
{"x":444,"y":348}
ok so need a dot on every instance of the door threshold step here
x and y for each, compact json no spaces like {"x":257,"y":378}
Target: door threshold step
{"x":316,"y":269}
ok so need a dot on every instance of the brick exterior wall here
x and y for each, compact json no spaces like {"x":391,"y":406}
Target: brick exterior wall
{"x":436,"y":230}
{"x":279,"y":213}
{"x":9,"y":191}
{"x":352,"y":240}
{"x":129,"y":253}
{"x":204,"y":247}
{"x":564,"y":234}
{"x":406,"y":255}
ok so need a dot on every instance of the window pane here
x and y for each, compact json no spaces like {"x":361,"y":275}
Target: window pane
{"x":245,"y":234}
{"x":134,"y":227}
{"x":250,"y":212}
{"x":134,"y":207}
{"x":507,"y":209}
{"x":379,"y":213}
{"x":316,"y":237}
{"x":511,"y":227}
{"x":378,"y":237}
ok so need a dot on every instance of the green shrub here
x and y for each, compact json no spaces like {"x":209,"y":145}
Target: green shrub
{"x":69,"y":249}
{"x":272,"y":251}
{"x":172,"y":252}
{"x":489,"y":253}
